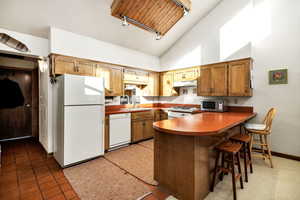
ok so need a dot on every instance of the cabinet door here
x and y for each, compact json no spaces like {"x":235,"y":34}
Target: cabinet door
{"x":152,"y":88}
{"x":148,"y":129}
{"x":113,"y":79}
{"x":63,"y":65}
{"x":85,"y":68}
{"x":137,"y":128}
{"x":116,"y":79}
{"x":185,"y":75}
{"x":163,"y":115}
{"x":204,"y":81}
{"x":219,"y":80}
{"x":166,"y":81}
{"x":129,"y":75}
{"x":239,"y":78}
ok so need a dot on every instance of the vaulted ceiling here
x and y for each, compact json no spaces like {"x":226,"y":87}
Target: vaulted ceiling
{"x":92,"y":18}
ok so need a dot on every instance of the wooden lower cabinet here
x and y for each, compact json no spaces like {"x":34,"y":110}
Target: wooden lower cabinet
{"x":148,"y":129}
{"x":137,"y":128}
{"x":142,"y":126}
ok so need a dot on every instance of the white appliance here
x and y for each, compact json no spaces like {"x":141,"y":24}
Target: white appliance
{"x":78,"y":119}
{"x":119,"y":130}
{"x":172,"y":114}
{"x":180,"y":111}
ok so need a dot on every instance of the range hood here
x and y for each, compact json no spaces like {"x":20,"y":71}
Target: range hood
{"x":185,"y":84}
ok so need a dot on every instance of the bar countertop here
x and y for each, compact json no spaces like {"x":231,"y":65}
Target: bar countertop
{"x":203,"y":124}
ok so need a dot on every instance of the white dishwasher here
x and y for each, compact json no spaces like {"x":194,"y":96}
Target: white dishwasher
{"x":119,"y":130}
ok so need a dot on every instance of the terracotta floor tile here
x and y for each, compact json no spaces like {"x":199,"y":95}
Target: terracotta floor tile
{"x":66,"y":187}
{"x":62,"y":180}
{"x":10,"y":195}
{"x":44,"y":179}
{"x":29,"y":188}
{"x":58,"y":197}
{"x":48,"y":185}
{"x":70,"y":194}
{"x":32,"y":196}
{"x":47,"y":194}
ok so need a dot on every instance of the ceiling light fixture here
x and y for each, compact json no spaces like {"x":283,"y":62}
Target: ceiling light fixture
{"x":125,"y":23}
{"x":158,"y":36}
{"x":185,"y":12}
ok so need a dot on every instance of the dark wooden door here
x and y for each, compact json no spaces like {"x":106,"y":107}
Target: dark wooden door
{"x":17,"y":122}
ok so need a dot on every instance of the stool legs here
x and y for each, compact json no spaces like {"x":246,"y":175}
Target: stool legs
{"x":245,"y":161}
{"x":269,"y":151}
{"x":215,"y":171}
{"x":240,"y":169}
{"x":250,"y":157}
{"x":233,"y":177}
{"x":234,"y":158}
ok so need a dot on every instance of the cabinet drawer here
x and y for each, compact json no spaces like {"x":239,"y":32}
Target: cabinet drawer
{"x":142,"y":115}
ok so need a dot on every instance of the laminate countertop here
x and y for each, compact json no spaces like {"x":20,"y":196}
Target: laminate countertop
{"x":203,"y":124}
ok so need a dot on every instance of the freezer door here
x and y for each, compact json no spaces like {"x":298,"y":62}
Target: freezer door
{"x":83,"y":133}
{"x":83,"y":90}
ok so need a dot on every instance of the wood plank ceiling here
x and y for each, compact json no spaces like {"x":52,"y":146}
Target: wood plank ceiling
{"x":159,"y":15}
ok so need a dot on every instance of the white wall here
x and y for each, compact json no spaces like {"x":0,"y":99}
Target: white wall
{"x":71,"y":44}
{"x":37,"y":46}
{"x":274,"y":43}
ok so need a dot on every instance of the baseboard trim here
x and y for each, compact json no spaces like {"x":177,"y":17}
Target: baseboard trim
{"x":282,"y":155}
{"x":287,"y":156}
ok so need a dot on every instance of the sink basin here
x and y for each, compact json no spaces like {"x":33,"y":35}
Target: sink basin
{"x":136,"y":109}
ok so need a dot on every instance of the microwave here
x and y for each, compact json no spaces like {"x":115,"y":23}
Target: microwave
{"x":213,"y":105}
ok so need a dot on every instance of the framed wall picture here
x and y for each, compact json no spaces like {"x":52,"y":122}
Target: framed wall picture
{"x":279,"y":76}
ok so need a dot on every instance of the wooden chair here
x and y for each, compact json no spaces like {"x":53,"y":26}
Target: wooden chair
{"x":263,"y":131}
{"x":229,"y":152}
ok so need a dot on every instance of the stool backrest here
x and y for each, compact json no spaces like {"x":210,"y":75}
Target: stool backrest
{"x":269,"y":119}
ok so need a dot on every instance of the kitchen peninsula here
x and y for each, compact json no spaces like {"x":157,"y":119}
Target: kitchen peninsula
{"x":183,"y":150}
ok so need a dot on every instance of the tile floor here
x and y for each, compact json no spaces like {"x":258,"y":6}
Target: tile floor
{"x":28,"y":173}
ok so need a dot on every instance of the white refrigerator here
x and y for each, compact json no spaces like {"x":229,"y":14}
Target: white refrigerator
{"x":78,"y":119}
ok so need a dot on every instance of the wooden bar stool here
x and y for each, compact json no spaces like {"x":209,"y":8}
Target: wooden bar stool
{"x":263,"y":131}
{"x":245,"y":141}
{"x":230,"y":154}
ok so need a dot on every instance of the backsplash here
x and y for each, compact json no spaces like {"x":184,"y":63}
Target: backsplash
{"x":186,"y":99}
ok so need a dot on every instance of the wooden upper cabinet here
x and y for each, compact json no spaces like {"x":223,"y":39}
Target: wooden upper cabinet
{"x":219,"y":80}
{"x":139,"y":77}
{"x":204,"y":81}
{"x":113,"y":79}
{"x":70,"y":65}
{"x":186,"y":74}
{"x":213,"y":80}
{"x":152,"y":88}
{"x":240,"y":78}
{"x":166,"y":84}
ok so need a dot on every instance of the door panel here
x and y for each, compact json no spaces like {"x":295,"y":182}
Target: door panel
{"x":219,"y":80}
{"x":148,"y":129}
{"x":204,"y":82}
{"x":239,"y":78}
{"x":137,"y":128}
{"x":17,"y":122}
{"x":83,"y":90}
{"x":83,"y":133}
